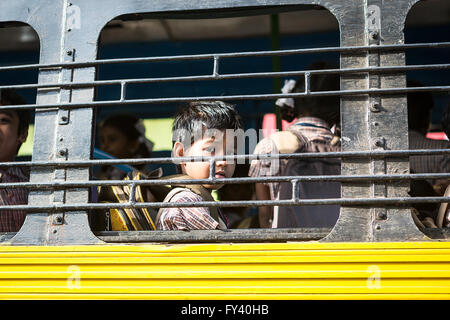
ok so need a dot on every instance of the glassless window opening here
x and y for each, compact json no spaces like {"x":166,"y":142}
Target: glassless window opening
{"x":19,"y":49}
{"x":431,"y":74}
{"x":223,"y":64}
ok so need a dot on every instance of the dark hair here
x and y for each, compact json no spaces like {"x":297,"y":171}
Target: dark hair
{"x":445,"y":121}
{"x":420,"y":105}
{"x":128,"y":125}
{"x":324,"y":107}
{"x":11,"y":97}
{"x":197,"y":116}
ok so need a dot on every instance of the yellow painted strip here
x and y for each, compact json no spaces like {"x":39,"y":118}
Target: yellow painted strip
{"x":186,"y":248}
{"x":238,"y":259}
{"x":226,"y":271}
{"x":227,"y":286}
{"x":74,"y":296}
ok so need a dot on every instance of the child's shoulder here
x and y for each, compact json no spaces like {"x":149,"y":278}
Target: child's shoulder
{"x":184,"y":195}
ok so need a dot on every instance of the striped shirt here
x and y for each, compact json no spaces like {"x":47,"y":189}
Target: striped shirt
{"x":12,"y":220}
{"x":311,"y":127}
{"x":428,"y":163}
{"x":186,"y":218}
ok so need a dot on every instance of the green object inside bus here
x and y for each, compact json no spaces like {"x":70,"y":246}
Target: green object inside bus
{"x":159,"y":131}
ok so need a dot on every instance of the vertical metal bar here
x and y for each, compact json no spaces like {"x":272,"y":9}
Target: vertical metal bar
{"x":354,"y":224}
{"x":132,"y":198}
{"x":307,"y":82}
{"x":216,"y":66}
{"x":70,"y":139}
{"x":295,"y":191}
{"x":378,"y":166}
{"x":38,"y":227}
{"x":392,"y":224}
{"x":366,"y":127}
{"x":123,"y":90}
{"x":212,"y":169}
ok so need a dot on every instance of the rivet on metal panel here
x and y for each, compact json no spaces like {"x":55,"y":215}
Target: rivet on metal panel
{"x":62,"y":152}
{"x":63,"y":117}
{"x":57,"y":220}
{"x":375,"y":107}
{"x":381,"y":143}
{"x":382,"y":215}
{"x":374,"y":35}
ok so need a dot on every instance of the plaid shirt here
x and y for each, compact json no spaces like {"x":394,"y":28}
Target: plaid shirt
{"x":312,"y":128}
{"x":12,"y":220}
{"x":186,"y":218}
{"x":428,"y":163}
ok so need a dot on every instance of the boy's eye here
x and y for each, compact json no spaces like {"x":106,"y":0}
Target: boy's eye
{"x":5,"y":119}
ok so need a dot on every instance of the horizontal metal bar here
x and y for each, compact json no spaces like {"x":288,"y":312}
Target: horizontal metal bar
{"x":232,"y":235}
{"x":240,"y":180}
{"x":112,"y":103}
{"x":351,"y":49}
{"x":394,"y":202}
{"x":217,"y":76}
{"x":242,"y":157}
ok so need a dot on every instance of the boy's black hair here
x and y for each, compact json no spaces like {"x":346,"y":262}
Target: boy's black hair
{"x":324,"y":107}
{"x":11,"y":97}
{"x":197,"y":116}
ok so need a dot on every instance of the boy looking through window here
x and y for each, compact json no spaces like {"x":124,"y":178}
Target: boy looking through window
{"x":199,"y":130}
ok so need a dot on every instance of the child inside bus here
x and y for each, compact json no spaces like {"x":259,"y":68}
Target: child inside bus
{"x":199,"y":130}
{"x":13,"y":132}
{"x":123,"y":136}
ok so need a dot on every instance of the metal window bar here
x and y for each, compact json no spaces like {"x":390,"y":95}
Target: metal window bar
{"x":216,"y":76}
{"x":334,"y":178}
{"x":349,"y":49}
{"x":212,"y":180}
{"x":246,"y":157}
{"x":113,"y":103}
{"x":124,"y":82}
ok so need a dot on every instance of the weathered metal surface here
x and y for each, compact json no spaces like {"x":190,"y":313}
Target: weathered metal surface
{"x":198,"y":236}
{"x":373,"y":122}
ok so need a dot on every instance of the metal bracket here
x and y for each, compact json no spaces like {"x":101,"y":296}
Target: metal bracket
{"x":374,"y":23}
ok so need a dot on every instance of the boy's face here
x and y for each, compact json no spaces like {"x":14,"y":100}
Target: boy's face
{"x":10,"y":139}
{"x":210,"y":146}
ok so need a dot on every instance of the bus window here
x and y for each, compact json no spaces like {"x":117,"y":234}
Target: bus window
{"x":18,"y":85}
{"x":170,"y":61}
{"x":425,"y":108}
